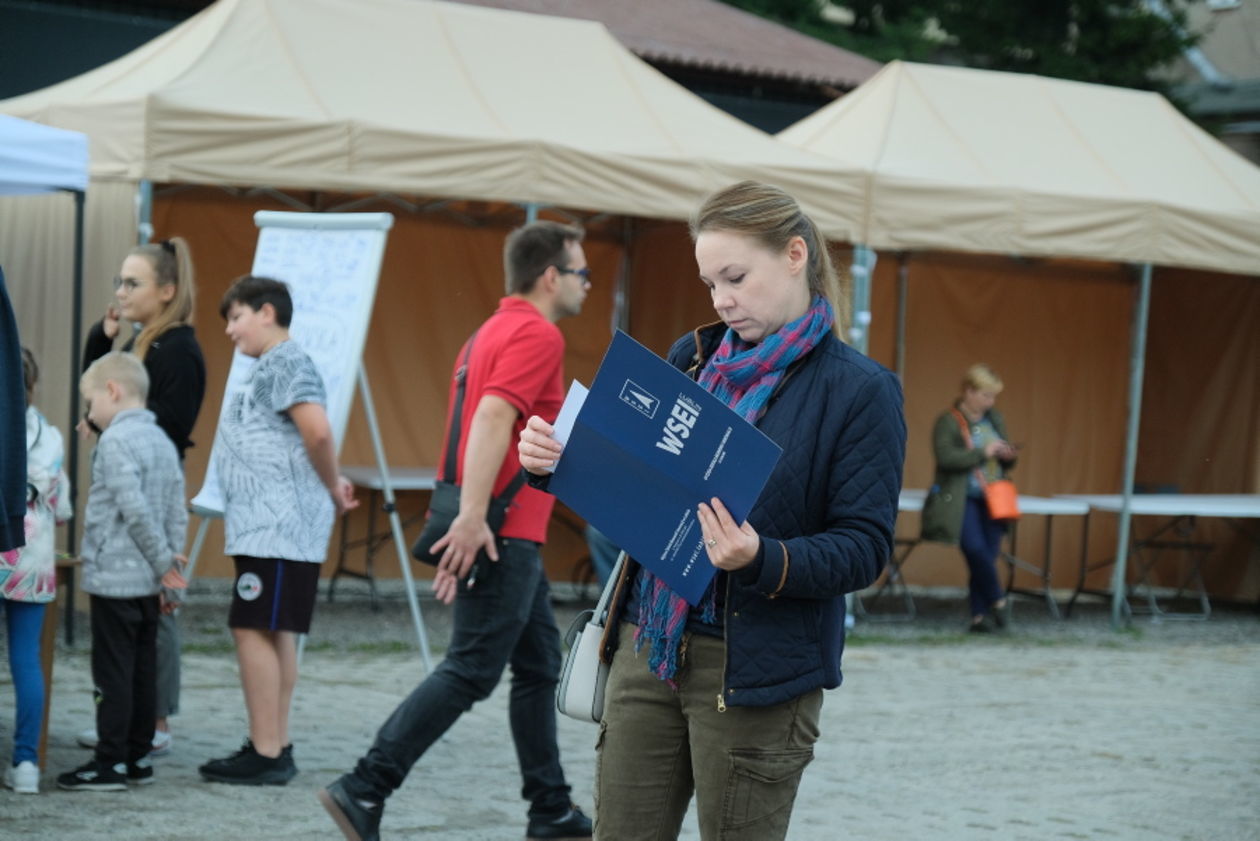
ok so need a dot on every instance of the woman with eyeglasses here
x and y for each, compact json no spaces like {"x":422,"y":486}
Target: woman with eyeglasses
{"x":721,"y":701}
{"x":155,"y":292}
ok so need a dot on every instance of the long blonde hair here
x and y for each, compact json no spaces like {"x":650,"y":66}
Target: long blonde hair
{"x":172,"y":264}
{"x":772,"y":217}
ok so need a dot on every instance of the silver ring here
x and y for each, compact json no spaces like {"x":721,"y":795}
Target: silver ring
{"x":711,"y":542}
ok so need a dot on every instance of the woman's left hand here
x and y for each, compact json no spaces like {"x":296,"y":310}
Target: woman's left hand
{"x":730,"y":546}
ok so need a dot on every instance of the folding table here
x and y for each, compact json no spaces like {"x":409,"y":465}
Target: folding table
{"x":912,"y":499}
{"x":1049,"y":508}
{"x":400,"y":479}
{"x":1182,"y":511}
{"x":893,"y":583}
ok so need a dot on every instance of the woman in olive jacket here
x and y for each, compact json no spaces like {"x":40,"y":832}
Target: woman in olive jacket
{"x":969,"y":442}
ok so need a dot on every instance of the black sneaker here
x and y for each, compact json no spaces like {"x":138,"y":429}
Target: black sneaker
{"x":571,"y":826}
{"x":286,"y":759}
{"x":247,"y":767}
{"x":95,"y":776}
{"x":358,"y":820}
{"x":140,"y":772}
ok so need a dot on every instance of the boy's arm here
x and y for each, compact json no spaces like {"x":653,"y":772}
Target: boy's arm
{"x":312,"y":423}
{"x":120,"y":472}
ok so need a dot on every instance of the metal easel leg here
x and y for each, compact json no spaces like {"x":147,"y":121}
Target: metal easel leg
{"x":395,"y":522}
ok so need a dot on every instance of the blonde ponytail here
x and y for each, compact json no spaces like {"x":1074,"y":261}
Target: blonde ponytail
{"x":172,"y":264}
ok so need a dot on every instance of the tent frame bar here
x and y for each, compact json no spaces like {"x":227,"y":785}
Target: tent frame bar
{"x":1120,"y":613}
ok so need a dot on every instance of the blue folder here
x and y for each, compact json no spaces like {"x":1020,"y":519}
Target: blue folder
{"x":648,"y":445}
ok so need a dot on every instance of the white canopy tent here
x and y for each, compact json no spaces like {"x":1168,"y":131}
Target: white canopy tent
{"x":37,"y":159}
{"x":957,"y":159}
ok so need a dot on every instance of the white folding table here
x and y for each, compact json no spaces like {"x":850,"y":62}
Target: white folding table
{"x":1048,"y":507}
{"x":400,"y":479}
{"x":893,"y":582}
{"x":1182,"y":511}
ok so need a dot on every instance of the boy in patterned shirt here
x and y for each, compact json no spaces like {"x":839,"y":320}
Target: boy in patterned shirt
{"x":277,"y":464}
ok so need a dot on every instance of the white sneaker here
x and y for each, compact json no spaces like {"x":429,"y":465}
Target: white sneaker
{"x":23,"y":777}
{"x":88,"y":738}
{"x":161,"y":743}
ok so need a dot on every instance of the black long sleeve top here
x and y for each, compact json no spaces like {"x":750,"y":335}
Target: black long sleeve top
{"x":177,"y":377}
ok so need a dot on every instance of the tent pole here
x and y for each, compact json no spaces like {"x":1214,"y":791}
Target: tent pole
{"x":76,"y":351}
{"x":862,"y":268}
{"x":903,"y":290}
{"x":621,"y":293}
{"x":1137,"y":369}
{"x":531,"y":212}
{"x":144,"y":212}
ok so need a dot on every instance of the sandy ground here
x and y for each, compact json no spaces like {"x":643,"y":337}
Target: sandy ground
{"x":1056,"y":730}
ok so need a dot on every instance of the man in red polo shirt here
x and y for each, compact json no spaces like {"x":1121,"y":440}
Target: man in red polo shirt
{"x":503,"y":615}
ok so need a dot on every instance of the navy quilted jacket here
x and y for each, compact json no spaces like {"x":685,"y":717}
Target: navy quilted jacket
{"x":825,"y":518}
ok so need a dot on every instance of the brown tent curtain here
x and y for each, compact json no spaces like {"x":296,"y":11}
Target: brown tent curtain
{"x":1056,"y":331}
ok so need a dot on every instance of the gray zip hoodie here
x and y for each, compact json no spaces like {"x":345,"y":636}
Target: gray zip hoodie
{"x":135,"y":519}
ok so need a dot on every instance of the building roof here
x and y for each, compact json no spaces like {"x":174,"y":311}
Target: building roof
{"x":710,"y":35}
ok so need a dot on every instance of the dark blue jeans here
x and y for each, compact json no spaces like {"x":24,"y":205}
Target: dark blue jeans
{"x":505,"y":620}
{"x":980,"y":541}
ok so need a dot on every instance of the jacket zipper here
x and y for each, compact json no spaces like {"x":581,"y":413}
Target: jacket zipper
{"x":726,"y":611}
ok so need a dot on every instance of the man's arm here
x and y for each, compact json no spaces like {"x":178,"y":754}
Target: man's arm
{"x":489,"y":437}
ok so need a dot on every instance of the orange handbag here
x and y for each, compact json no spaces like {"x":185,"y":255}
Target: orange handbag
{"x":1003,"y":499}
{"x":1000,"y":495}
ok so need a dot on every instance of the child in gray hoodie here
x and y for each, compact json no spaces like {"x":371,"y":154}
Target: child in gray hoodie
{"x":133,"y":533}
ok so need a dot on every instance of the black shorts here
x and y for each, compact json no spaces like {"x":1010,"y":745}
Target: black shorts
{"x":271,"y":594}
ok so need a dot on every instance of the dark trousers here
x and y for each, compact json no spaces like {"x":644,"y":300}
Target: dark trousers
{"x":505,"y":620}
{"x":981,"y":539}
{"x":124,"y":669}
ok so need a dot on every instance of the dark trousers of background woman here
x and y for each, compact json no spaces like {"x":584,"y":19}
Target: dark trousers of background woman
{"x":981,"y":538}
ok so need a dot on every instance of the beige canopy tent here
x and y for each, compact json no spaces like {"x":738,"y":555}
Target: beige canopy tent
{"x":1003,"y":163}
{"x":406,"y":98}
{"x":976,"y":161}
{"x":417,"y":96}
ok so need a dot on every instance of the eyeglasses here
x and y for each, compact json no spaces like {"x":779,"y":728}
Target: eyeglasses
{"x":585,"y":274}
{"x":130,"y":283}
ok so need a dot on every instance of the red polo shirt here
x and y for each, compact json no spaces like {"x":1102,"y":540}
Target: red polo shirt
{"x":517,"y":355}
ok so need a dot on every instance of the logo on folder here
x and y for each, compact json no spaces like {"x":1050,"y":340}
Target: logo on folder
{"x":640,"y":399}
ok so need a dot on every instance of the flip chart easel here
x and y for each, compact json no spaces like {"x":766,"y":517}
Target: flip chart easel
{"x":331,"y":263}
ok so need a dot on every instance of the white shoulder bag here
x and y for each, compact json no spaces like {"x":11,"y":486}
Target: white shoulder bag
{"x":581,"y":691}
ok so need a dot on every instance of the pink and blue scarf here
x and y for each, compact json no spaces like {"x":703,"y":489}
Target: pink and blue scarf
{"x":742,"y":375}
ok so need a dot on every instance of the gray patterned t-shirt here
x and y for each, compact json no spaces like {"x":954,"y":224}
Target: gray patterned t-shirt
{"x":276,"y":505}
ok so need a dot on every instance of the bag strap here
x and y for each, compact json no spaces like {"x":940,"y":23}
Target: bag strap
{"x":966,"y":434}
{"x":457,"y":424}
{"x":600,"y":616}
{"x":457,"y":413}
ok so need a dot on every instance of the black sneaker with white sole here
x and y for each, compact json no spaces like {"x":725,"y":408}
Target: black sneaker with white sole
{"x":95,"y":776}
{"x":140,"y":772}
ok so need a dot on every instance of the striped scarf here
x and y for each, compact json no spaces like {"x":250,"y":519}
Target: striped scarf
{"x":743,"y":376}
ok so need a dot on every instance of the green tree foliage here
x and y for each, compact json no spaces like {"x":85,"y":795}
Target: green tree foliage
{"x":1114,"y":42}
